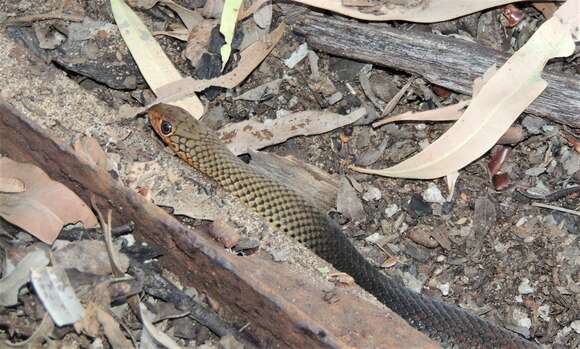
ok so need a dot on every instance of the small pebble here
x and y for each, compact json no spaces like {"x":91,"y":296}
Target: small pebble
{"x":444,"y":288}
{"x":522,"y":318}
{"x":282,"y":112}
{"x":423,"y":237}
{"x":418,"y":206}
{"x":394,"y":248}
{"x":229,"y":342}
{"x":372,"y":194}
{"x":521,"y":221}
{"x":280,"y":255}
{"x":245,"y":243}
{"x":544,"y":312}
{"x":433,"y":194}
{"x":524,"y":287}
{"x":550,"y":128}
{"x":129,"y":240}
{"x":570,"y":161}
{"x":412,"y":282}
{"x":292,"y":102}
{"x":576,"y":326}
{"x":391,"y":210}
{"x":535,"y":171}
{"x":533,"y":124}
{"x":335,"y":98}
{"x":297,"y":56}
{"x":374,"y":238}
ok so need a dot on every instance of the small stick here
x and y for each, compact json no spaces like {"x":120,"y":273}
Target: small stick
{"x":43,"y":17}
{"x":553,"y":196}
{"x":556,"y":208}
{"x":395,"y":100}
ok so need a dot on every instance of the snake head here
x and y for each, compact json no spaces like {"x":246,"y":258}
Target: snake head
{"x":172,"y":124}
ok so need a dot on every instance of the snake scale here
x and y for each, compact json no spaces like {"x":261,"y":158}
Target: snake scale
{"x":287,"y":211}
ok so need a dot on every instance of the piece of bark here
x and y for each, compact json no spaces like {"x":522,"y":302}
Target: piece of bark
{"x":445,"y":61}
{"x":310,"y":181}
{"x":284,"y":309}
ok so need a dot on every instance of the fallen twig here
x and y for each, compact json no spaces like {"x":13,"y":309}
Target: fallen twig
{"x":396,"y":98}
{"x":553,"y":196}
{"x":556,"y":208}
{"x":78,"y":233}
{"x":43,"y":17}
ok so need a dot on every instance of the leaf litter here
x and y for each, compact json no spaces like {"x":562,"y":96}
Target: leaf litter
{"x":45,"y":206}
{"x":500,"y":101}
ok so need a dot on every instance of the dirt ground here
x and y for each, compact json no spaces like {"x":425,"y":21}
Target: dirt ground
{"x":487,"y":249}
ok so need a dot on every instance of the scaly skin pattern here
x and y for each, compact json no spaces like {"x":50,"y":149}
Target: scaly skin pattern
{"x":289,"y":212}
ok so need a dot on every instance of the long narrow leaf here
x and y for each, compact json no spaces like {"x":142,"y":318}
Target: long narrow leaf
{"x":156,"y":68}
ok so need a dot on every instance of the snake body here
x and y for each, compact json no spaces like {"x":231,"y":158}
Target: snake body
{"x":289,"y":212}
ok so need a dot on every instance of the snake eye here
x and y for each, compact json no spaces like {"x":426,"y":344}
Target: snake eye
{"x":166,"y":128}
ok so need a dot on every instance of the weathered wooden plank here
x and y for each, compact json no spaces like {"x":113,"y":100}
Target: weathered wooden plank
{"x":284,"y":310}
{"x":442,"y":60}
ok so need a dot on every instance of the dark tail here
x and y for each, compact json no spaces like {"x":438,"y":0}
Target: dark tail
{"x":446,"y":323}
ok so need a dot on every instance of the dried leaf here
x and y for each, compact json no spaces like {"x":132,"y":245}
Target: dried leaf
{"x":190,"y":18}
{"x":497,"y":106}
{"x":423,"y":236}
{"x":341,"y":278}
{"x":152,"y":331}
{"x":57,"y":295}
{"x":547,"y":8}
{"x":263,"y":17}
{"x":88,"y":150}
{"x":513,"y":135}
{"x":222,"y":231}
{"x":497,"y":160}
{"x":11,"y":284}
{"x":213,"y":8}
{"x":88,"y":256}
{"x":156,"y":68}
{"x":89,"y":324}
{"x":11,"y":185}
{"x":40,"y":335}
{"x":228,"y":27}
{"x":247,"y":12}
{"x":449,"y":113}
{"x":189,"y":201}
{"x":423,"y":12}
{"x":197,"y":40}
{"x":178,"y":32}
{"x":261,"y":92}
{"x":45,"y":207}
{"x":250,"y":58}
{"x":348,"y":202}
{"x":243,"y":136}
{"x":451,"y":180}
{"x":112,"y":330}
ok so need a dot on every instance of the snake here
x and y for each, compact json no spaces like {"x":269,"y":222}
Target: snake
{"x":289,"y":212}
